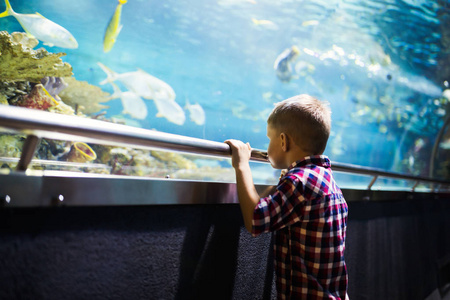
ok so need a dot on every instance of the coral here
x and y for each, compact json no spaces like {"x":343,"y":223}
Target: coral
{"x":138,"y":162}
{"x":174,"y":160}
{"x":83,"y":95}
{"x":38,"y":98}
{"x":81,"y":152}
{"x":62,"y":108}
{"x":13,"y":90}
{"x":3,"y":100}
{"x":24,"y":39}
{"x":52,"y":149}
{"x":216,"y":173}
{"x":11,"y":145}
{"x":19,"y":63}
{"x":54,"y":85}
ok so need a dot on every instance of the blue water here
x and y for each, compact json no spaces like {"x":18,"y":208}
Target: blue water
{"x":211,"y":52}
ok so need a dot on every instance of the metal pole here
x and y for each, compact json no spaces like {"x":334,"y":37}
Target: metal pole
{"x":29,"y":148}
{"x":58,"y":126}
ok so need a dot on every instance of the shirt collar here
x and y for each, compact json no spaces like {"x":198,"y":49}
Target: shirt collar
{"x":319,"y":160}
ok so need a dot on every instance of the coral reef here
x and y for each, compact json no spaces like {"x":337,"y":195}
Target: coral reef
{"x":174,"y":160}
{"x":216,"y":173}
{"x":3,"y":100}
{"x":24,"y":39}
{"x":54,"y":85}
{"x":38,"y":79}
{"x":62,"y":108}
{"x":38,"y":98}
{"x":81,"y":152}
{"x":138,"y":162}
{"x":13,"y":90}
{"x":83,"y":97}
{"x":53,"y":149}
{"x":20,"y":63}
{"x":11,"y":145}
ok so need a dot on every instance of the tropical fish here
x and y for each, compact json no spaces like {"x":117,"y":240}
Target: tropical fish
{"x":42,"y":29}
{"x":240,"y":110}
{"x":262,"y":22}
{"x":114,"y":28}
{"x":446,"y":94}
{"x":141,"y":83}
{"x":283,"y":63}
{"x":445,"y":144}
{"x":170,"y":110}
{"x":132,"y":103}
{"x":310,"y":23}
{"x":197,"y":114}
{"x":265,"y":23}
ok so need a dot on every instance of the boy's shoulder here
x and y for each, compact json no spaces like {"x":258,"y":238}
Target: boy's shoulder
{"x":309,"y":179}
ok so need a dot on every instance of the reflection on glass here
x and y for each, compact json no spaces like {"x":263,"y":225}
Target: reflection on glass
{"x":214,"y":69}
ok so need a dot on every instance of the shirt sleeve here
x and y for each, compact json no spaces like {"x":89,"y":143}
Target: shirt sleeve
{"x":283,"y":208}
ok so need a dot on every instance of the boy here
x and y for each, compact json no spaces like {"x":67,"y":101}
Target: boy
{"x":307,"y":213}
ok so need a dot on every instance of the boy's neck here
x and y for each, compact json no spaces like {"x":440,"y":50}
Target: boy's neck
{"x":296,"y":155}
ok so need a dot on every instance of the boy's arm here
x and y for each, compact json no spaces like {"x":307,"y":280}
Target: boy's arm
{"x":247,"y":194}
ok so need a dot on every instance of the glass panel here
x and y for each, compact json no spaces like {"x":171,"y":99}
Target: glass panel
{"x":352,"y":181}
{"x":392,"y":184}
{"x":214,"y":69}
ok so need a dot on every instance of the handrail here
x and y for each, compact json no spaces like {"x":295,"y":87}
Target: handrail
{"x":51,"y":125}
{"x":35,"y":123}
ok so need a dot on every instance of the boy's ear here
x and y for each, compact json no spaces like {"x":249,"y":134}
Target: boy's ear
{"x":284,"y":142}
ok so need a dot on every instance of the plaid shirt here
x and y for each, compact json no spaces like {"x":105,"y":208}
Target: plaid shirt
{"x":308,"y":215}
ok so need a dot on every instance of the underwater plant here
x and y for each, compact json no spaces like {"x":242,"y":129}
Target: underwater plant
{"x":83,"y":97}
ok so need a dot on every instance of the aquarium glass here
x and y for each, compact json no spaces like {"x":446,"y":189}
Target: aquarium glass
{"x":213,"y":69}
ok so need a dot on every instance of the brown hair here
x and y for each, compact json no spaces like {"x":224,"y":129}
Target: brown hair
{"x":305,"y":119}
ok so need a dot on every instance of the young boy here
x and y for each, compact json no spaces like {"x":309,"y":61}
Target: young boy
{"x":307,"y":213}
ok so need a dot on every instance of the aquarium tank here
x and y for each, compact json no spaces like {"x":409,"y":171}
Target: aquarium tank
{"x":213,"y":69}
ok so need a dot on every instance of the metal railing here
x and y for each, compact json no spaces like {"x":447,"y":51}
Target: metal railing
{"x":40,"y":124}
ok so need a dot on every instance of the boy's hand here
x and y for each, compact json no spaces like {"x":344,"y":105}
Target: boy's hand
{"x":247,"y":194}
{"x":240,"y":153}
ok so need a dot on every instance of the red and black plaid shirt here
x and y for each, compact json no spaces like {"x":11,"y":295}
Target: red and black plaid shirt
{"x":308,"y":215}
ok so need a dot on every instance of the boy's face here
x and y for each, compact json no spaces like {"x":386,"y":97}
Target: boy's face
{"x":275,"y":151}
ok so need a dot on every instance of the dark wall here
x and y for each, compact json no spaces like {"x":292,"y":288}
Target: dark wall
{"x":203,"y":252}
{"x":140,"y":252}
{"x":395,"y":250}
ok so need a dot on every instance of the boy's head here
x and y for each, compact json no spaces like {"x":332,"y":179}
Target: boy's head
{"x":306,"y":120}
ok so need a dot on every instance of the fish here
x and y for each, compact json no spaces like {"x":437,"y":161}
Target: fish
{"x":197,"y":114}
{"x":114,"y":27}
{"x":240,"y":110}
{"x":132,"y":104}
{"x":141,"y":83}
{"x":446,"y":94}
{"x":42,"y":28}
{"x":267,"y":24}
{"x":310,"y":23}
{"x":262,"y":22}
{"x":282,"y":63}
{"x":445,"y":144}
{"x":170,"y":110}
